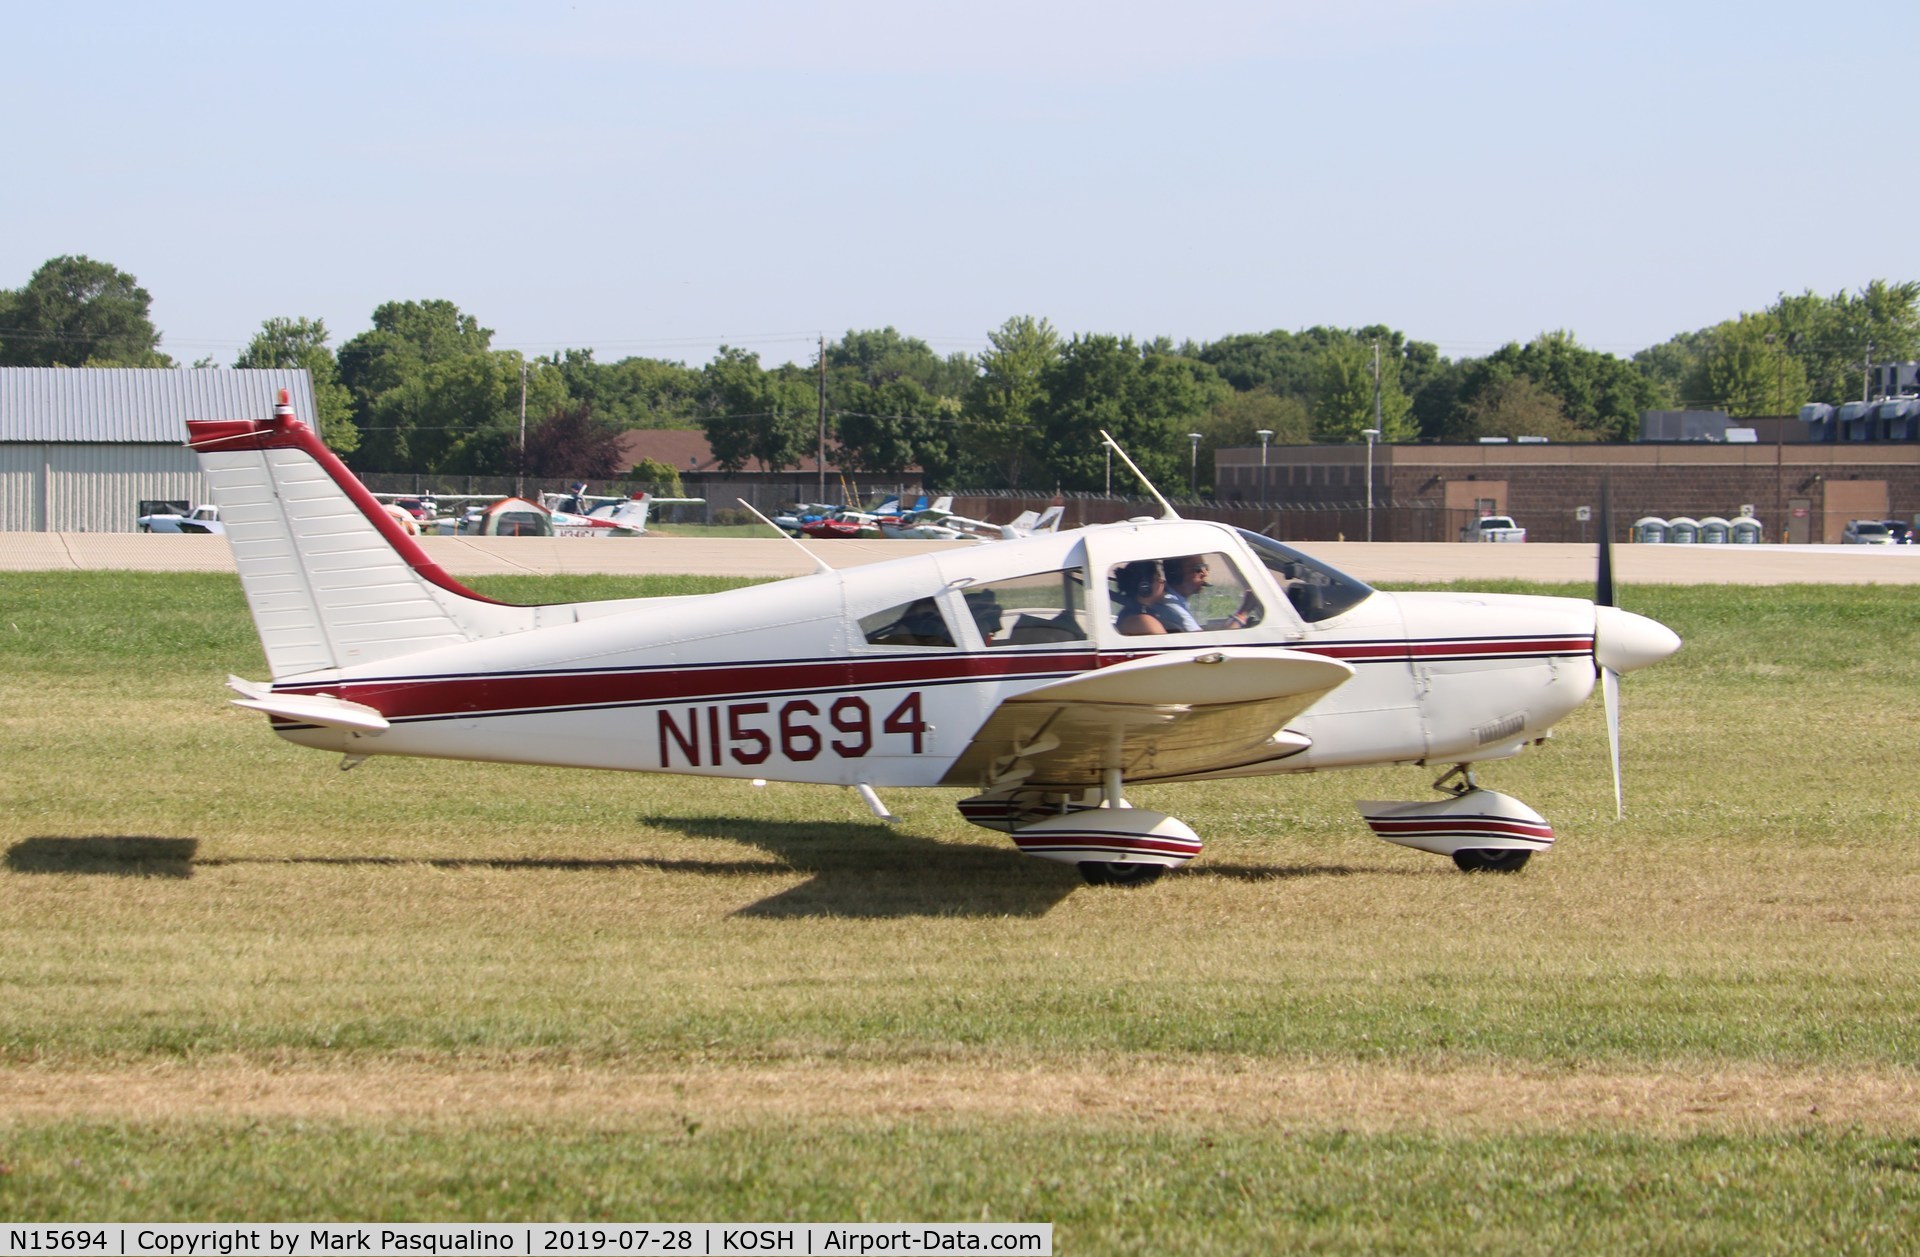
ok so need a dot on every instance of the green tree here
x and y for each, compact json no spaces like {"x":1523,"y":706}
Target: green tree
{"x":1676,"y":368}
{"x":1518,"y":405}
{"x":1148,"y":401}
{"x":1282,"y":363}
{"x":1833,"y":336}
{"x":661,"y":479}
{"x":1748,"y":370}
{"x":406,"y":338}
{"x":751,"y":414}
{"x":1000,"y":419}
{"x":76,"y":312}
{"x":1238,"y":418}
{"x":461,"y":415}
{"x":894,"y":425}
{"x":1599,"y":393}
{"x":301,"y":344}
{"x":1345,"y":388}
{"x":633,"y":392}
{"x":385,"y":369}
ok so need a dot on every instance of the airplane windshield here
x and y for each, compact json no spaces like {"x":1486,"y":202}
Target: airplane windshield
{"x":1317,"y":592}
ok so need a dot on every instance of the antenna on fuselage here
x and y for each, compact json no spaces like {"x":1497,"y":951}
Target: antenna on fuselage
{"x":819,"y":564}
{"x":1165,"y":505}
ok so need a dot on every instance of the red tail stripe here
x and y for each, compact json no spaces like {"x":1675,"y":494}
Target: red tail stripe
{"x":217,"y":435}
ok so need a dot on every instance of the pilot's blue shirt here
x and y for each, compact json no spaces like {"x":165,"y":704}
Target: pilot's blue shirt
{"x":1174,"y":612}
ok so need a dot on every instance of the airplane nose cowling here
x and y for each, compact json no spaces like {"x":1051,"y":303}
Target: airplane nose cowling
{"x":1625,"y":642}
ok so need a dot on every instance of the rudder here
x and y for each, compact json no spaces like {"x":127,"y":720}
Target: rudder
{"x":330,"y":577}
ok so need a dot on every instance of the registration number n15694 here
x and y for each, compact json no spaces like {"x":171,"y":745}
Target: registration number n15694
{"x":797,"y":729}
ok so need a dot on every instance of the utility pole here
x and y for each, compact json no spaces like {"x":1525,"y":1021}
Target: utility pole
{"x":520,"y":471}
{"x":821,"y":454}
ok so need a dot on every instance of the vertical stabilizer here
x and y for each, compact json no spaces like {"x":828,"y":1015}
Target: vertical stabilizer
{"x":331,"y":578}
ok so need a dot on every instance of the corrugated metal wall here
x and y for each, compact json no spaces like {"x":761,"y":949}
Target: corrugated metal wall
{"x":81,"y":448}
{"x":91,"y":488}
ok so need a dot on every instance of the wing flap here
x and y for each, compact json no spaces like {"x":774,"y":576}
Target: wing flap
{"x":1170,"y":714}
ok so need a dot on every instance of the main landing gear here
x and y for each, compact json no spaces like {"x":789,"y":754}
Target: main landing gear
{"x":1483,"y":831}
{"x":1110,"y":842}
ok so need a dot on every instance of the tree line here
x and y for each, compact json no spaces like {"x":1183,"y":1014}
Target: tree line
{"x":423,"y":390}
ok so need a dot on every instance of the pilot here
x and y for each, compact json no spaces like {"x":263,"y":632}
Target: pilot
{"x":1186,"y":577}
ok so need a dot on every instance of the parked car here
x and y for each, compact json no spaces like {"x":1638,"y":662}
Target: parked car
{"x":1866,"y":532}
{"x":202,"y":519}
{"x":1493,"y":528}
{"x":1901,"y":531}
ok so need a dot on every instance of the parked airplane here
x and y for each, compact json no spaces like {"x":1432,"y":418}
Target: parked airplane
{"x":201,"y":519}
{"x":490,"y":515}
{"x":1029,"y":672}
{"x":583,"y":514}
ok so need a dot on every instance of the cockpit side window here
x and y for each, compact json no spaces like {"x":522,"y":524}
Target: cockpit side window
{"x":1317,"y":592}
{"x":1188,"y":593}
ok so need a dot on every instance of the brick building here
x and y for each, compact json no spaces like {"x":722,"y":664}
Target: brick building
{"x":1428,"y":492}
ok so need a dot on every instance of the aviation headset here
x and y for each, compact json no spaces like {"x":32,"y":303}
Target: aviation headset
{"x":1138,"y":577}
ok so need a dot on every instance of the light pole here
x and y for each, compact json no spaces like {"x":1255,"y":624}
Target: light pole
{"x":1372,"y":435}
{"x":1193,"y":466}
{"x":1265,"y":435}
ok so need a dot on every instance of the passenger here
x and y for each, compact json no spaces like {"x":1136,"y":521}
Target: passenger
{"x":1143,"y":594}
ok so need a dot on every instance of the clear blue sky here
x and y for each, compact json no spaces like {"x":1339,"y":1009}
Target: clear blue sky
{"x":658,"y":179}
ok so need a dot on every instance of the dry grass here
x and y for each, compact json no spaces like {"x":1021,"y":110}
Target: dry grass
{"x":1122,"y":1092}
{"x":203,"y":927}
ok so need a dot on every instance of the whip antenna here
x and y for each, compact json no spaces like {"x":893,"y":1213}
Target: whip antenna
{"x":1165,"y":505}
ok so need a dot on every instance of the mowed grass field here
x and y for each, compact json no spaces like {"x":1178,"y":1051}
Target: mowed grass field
{"x":238,"y":983}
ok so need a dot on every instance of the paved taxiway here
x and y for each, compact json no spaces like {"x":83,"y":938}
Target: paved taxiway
{"x":1391,"y":562}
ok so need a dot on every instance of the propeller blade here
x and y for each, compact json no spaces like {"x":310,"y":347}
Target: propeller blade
{"x":1610,"y":694}
{"x":1603,"y":582}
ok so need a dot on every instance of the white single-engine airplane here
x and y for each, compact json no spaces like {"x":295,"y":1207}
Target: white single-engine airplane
{"x":1042,"y":674}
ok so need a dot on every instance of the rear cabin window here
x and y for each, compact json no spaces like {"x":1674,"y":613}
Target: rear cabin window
{"x":916,"y":623}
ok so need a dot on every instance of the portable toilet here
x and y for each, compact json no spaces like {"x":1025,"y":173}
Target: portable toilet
{"x":1818,"y":416}
{"x":1650,"y":530}
{"x":1715,"y":531}
{"x":1683,"y":531}
{"x":1747,"y":531}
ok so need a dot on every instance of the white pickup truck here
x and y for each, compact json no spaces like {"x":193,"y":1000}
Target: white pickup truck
{"x":1493,"y":528}
{"x":202,"y":519}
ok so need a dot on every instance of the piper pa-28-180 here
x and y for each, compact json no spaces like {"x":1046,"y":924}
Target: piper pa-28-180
{"x":1028,"y":672}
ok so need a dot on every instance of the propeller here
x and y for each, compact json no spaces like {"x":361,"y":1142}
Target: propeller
{"x":1622,"y":641}
{"x":1603,"y":596}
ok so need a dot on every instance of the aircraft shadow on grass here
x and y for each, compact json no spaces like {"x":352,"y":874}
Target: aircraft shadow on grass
{"x":860,"y":870}
{"x":864,"y":870}
{"x":875,"y":870}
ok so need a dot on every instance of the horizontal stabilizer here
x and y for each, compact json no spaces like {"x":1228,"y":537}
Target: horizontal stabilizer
{"x":308,"y":709}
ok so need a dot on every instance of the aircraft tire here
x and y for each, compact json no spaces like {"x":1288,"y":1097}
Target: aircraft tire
{"x":1491,"y":861}
{"x":1119,"y":872}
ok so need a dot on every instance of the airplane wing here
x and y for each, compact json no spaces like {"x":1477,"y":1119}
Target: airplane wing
{"x":1173,"y":714}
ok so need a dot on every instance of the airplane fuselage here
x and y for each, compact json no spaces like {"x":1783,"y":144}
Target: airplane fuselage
{"x":778,"y":682}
